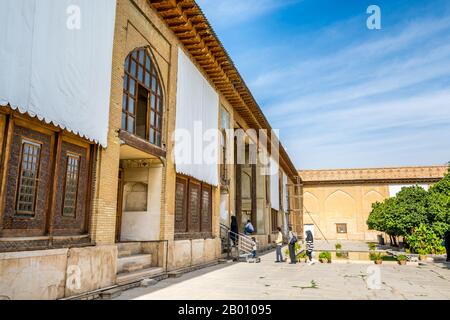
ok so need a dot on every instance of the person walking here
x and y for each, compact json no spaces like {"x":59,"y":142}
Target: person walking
{"x":279,"y":243}
{"x":254,"y":248}
{"x":292,"y":242}
{"x":309,"y":246}
{"x":447,"y":244}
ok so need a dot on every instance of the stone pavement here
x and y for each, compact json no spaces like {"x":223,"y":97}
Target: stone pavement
{"x":268,"y":280}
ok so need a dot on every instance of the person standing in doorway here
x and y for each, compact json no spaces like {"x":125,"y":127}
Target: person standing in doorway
{"x":309,"y":246}
{"x":279,"y":243}
{"x":292,"y":242}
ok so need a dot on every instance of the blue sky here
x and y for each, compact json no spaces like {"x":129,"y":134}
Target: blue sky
{"x":343,"y":95}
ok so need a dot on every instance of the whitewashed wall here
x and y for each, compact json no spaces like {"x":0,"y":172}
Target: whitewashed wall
{"x":394,"y":189}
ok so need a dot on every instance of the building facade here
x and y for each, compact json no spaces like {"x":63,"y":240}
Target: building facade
{"x":111,"y":198}
{"x":337,"y":203}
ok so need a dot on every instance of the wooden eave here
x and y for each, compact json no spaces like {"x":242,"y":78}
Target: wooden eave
{"x":189,"y":24}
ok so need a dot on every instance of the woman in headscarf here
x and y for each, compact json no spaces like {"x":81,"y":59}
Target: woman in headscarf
{"x":309,"y":246}
{"x":234,"y":230}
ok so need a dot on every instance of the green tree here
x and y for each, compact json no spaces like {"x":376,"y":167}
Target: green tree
{"x":425,"y":241}
{"x":439,"y":205}
{"x":400,"y":215}
{"x":411,"y":207}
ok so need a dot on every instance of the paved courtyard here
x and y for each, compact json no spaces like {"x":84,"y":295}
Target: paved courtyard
{"x":268,"y":280}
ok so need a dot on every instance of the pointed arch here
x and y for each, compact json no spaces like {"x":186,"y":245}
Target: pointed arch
{"x":340,"y":205}
{"x":311,"y":202}
{"x":143,"y":96}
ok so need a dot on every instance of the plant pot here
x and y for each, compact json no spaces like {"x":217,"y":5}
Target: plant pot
{"x":323,"y":260}
{"x":378,"y":261}
{"x":402,"y":262}
{"x":422,"y":257}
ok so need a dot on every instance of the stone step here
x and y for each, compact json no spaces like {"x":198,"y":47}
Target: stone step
{"x":132,"y":247}
{"x":111,"y":294}
{"x":175,"y":274}
{"x":138,"y":259}
{"x":124,"y":253}
{"x":126,"y":278}
{"x":132,"y":267}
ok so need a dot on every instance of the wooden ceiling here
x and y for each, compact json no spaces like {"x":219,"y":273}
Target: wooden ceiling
{"x":187,"y":21}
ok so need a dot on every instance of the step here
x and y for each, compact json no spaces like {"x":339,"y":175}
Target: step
{"x":126,"y":278}
{"x":124,"y":253}
{"x":137,"y":259}
{"x":132,"y":267}
{"x":175,"y":274}
{"x":111,"y":294}
{"x":132,"y":247}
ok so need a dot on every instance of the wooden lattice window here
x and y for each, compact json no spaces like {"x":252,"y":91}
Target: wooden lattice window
{"x":180,"y":205}
{"x":274,"y":220}
{"x":193,"y":208}
{"x":206,"y":209}
{"x":71,"y":185}
{"x":28,"y":178}
{"x":142,"y":104}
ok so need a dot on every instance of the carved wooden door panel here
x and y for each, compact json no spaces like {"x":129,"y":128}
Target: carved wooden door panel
{"x":72,"y":189}
{"x":181,"y":205}
{"x":28,"y":179}
{"x":194,"y":206}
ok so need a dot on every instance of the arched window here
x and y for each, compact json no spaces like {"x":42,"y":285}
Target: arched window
{"x":142,"y":106}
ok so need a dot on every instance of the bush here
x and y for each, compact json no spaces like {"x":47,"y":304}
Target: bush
{"x":402,"y":257}
{"x":375,"y":256}
{"x":302,"y":256}
{"x":372,"y":246}
{"x":424,"y":241}
{"x":325,"y":255}
{"x":338,"y":246}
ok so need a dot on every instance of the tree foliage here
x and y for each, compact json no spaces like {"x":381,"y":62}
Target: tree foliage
{"x":415,"y":213}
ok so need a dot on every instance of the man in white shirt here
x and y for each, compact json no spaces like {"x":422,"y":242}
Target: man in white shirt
{"x":279,"y":243}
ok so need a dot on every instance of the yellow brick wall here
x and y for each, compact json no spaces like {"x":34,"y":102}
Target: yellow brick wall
{"x":350,"y":204}
{"x":137,"y":25}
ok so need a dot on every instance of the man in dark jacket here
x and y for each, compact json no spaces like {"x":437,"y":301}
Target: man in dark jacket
{"x":447,"y":244}
{"x":234,"y":231}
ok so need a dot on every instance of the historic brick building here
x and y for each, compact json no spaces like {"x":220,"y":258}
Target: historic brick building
{"x":93,"y":191}
{"x":337,"y":203}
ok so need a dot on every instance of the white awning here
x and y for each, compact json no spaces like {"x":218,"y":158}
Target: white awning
{"x":197,"y":124}
{"x":274,"y":185}
{"x":56,"y":62}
